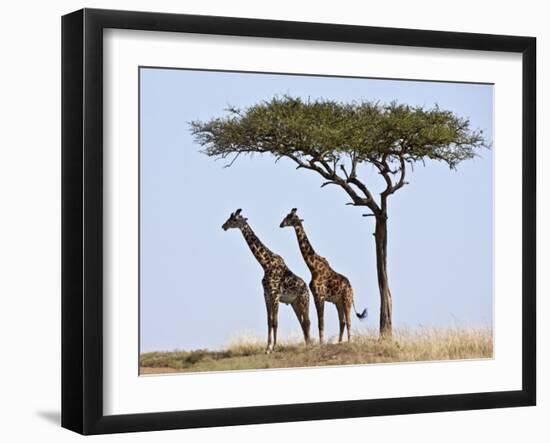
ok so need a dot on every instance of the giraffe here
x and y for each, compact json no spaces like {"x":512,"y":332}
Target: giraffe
{"x":326,"y":284}
{"x":280,"y":284}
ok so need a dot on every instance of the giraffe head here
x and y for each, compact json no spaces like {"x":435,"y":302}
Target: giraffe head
{"x":291,"y":219}
{"x":235,"y":220}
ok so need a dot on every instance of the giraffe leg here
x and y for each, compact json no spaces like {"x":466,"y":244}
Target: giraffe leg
{"x":303,"y":318}
{"x":320,"y":305}
{"x":267,"y":298}
{"x":269,"y":333}
{"x":347,"y":311}
{"x":306,"y":327}
{"x":306,"y":323}
{"x":340,"y":308}
{"x":274,"y":323}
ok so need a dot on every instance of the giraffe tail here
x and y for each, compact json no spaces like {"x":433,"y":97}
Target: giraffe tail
{"x":361,"y":316}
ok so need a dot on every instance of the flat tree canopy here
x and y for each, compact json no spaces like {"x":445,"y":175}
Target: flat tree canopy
{"x":332,"y":138}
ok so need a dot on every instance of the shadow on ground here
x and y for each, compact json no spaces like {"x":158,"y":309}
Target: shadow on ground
{"x":53,"y":417}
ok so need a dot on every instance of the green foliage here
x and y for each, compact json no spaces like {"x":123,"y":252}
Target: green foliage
{"x":329,"y":131}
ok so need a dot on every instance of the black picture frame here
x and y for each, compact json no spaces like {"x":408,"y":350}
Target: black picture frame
{"x":82,"y":220}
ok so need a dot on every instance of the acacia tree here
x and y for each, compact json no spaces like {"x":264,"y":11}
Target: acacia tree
{"x":334,"y":139}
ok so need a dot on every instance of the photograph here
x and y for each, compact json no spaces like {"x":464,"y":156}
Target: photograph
{"x":295,"y":221}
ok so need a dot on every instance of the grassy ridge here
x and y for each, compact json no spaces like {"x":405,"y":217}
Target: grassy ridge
{"x":249,"y":352}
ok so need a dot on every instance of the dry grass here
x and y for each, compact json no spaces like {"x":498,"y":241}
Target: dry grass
{"x":246,"y":351}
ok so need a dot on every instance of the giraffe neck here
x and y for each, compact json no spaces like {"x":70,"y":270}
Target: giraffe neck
{"x":307,"y":250}
{"x":260,"y":251}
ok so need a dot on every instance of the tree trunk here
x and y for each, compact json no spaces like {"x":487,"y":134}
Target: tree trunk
{"x":381,"y":240}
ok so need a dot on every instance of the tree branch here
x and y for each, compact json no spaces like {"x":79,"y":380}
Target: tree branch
{"x":333,"y":178}
{"x":232,"y":161}
{"x":363,"y":189}
{"x":352,"y":178}
{"x":325,"y":164}
{"x":353,"y":172}
{"x":343,"y":168}
{"x":401,"y":182}
{"x":383,"y":170}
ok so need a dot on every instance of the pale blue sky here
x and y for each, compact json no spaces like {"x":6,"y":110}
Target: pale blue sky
{"x":200,"y":285}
